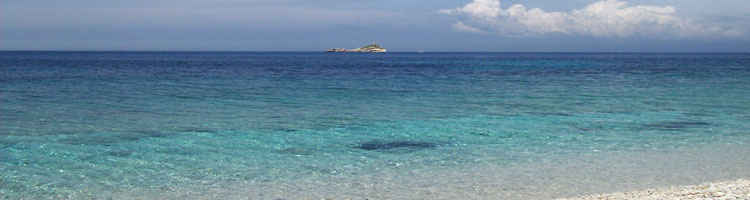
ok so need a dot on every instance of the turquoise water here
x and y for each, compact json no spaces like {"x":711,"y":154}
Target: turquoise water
{"x":105,"y":124}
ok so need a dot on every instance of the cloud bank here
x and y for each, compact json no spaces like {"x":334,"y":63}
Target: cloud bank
{"x":606,"y":18}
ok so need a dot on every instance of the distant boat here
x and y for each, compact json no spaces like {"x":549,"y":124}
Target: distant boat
{"x":420,"y":51}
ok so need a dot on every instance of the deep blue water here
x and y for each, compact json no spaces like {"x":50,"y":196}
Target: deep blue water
{"x":72,"y":122}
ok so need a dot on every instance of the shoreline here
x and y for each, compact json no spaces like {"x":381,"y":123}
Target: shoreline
{"x":546,"y":177}
{"x":737,"y":189}
{"x":606,"y":173}
{"x":646,"y":175}
{"x":603,"y":176}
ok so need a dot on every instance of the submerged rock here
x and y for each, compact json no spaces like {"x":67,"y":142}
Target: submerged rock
{"x":677,"y":125}
{"x":120,"y":153}
{"x":394,"y":145}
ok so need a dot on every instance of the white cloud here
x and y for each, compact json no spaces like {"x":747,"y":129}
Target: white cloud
{"x":609,"y":18}
{"x":460,"y":26}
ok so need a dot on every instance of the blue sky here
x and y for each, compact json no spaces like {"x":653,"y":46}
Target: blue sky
{"x":405,"y":25}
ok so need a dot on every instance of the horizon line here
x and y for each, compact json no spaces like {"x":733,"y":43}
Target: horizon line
{"x":251,"y":51}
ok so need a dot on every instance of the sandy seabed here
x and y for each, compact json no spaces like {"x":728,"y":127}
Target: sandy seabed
{"x":738,"y":189}
{"x":607,"y":175}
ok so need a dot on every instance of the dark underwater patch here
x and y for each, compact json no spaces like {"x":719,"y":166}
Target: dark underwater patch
{"x":550,"y":114}
{"x":677,"y":125}
{"x":479,"y":133}
{"x":198,"y":130}
{"x":5,"y":157}
{"x":155,"y":134}
{"x":699,"y":114}
{"x":120,"y":153}
{"x":288,"y":130}
{"x":111,"y":138}
{"x":178,"y":151}
{"x":101,"y":139}
{"x":185,"y":97}
{"x":379,"y":145}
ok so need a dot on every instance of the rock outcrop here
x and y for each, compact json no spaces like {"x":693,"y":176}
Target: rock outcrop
{"x":369,"y":48}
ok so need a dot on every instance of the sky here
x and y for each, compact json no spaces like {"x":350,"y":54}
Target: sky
{"x":397,"y":25}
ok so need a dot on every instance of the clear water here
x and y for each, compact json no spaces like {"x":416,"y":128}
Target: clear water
{"x":201,"y":125}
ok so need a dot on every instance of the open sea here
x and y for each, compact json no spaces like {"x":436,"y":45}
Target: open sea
{"x":265,"y":125}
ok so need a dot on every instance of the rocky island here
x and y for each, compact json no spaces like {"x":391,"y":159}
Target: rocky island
{"x":369,"y":48}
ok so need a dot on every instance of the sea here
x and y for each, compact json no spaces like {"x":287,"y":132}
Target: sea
{"x":314,"y":125}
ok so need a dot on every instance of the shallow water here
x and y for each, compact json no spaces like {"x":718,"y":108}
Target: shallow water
{"x":180,"y":124}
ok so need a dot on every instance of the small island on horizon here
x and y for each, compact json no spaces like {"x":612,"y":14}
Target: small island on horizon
{"x":375,"y":48}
